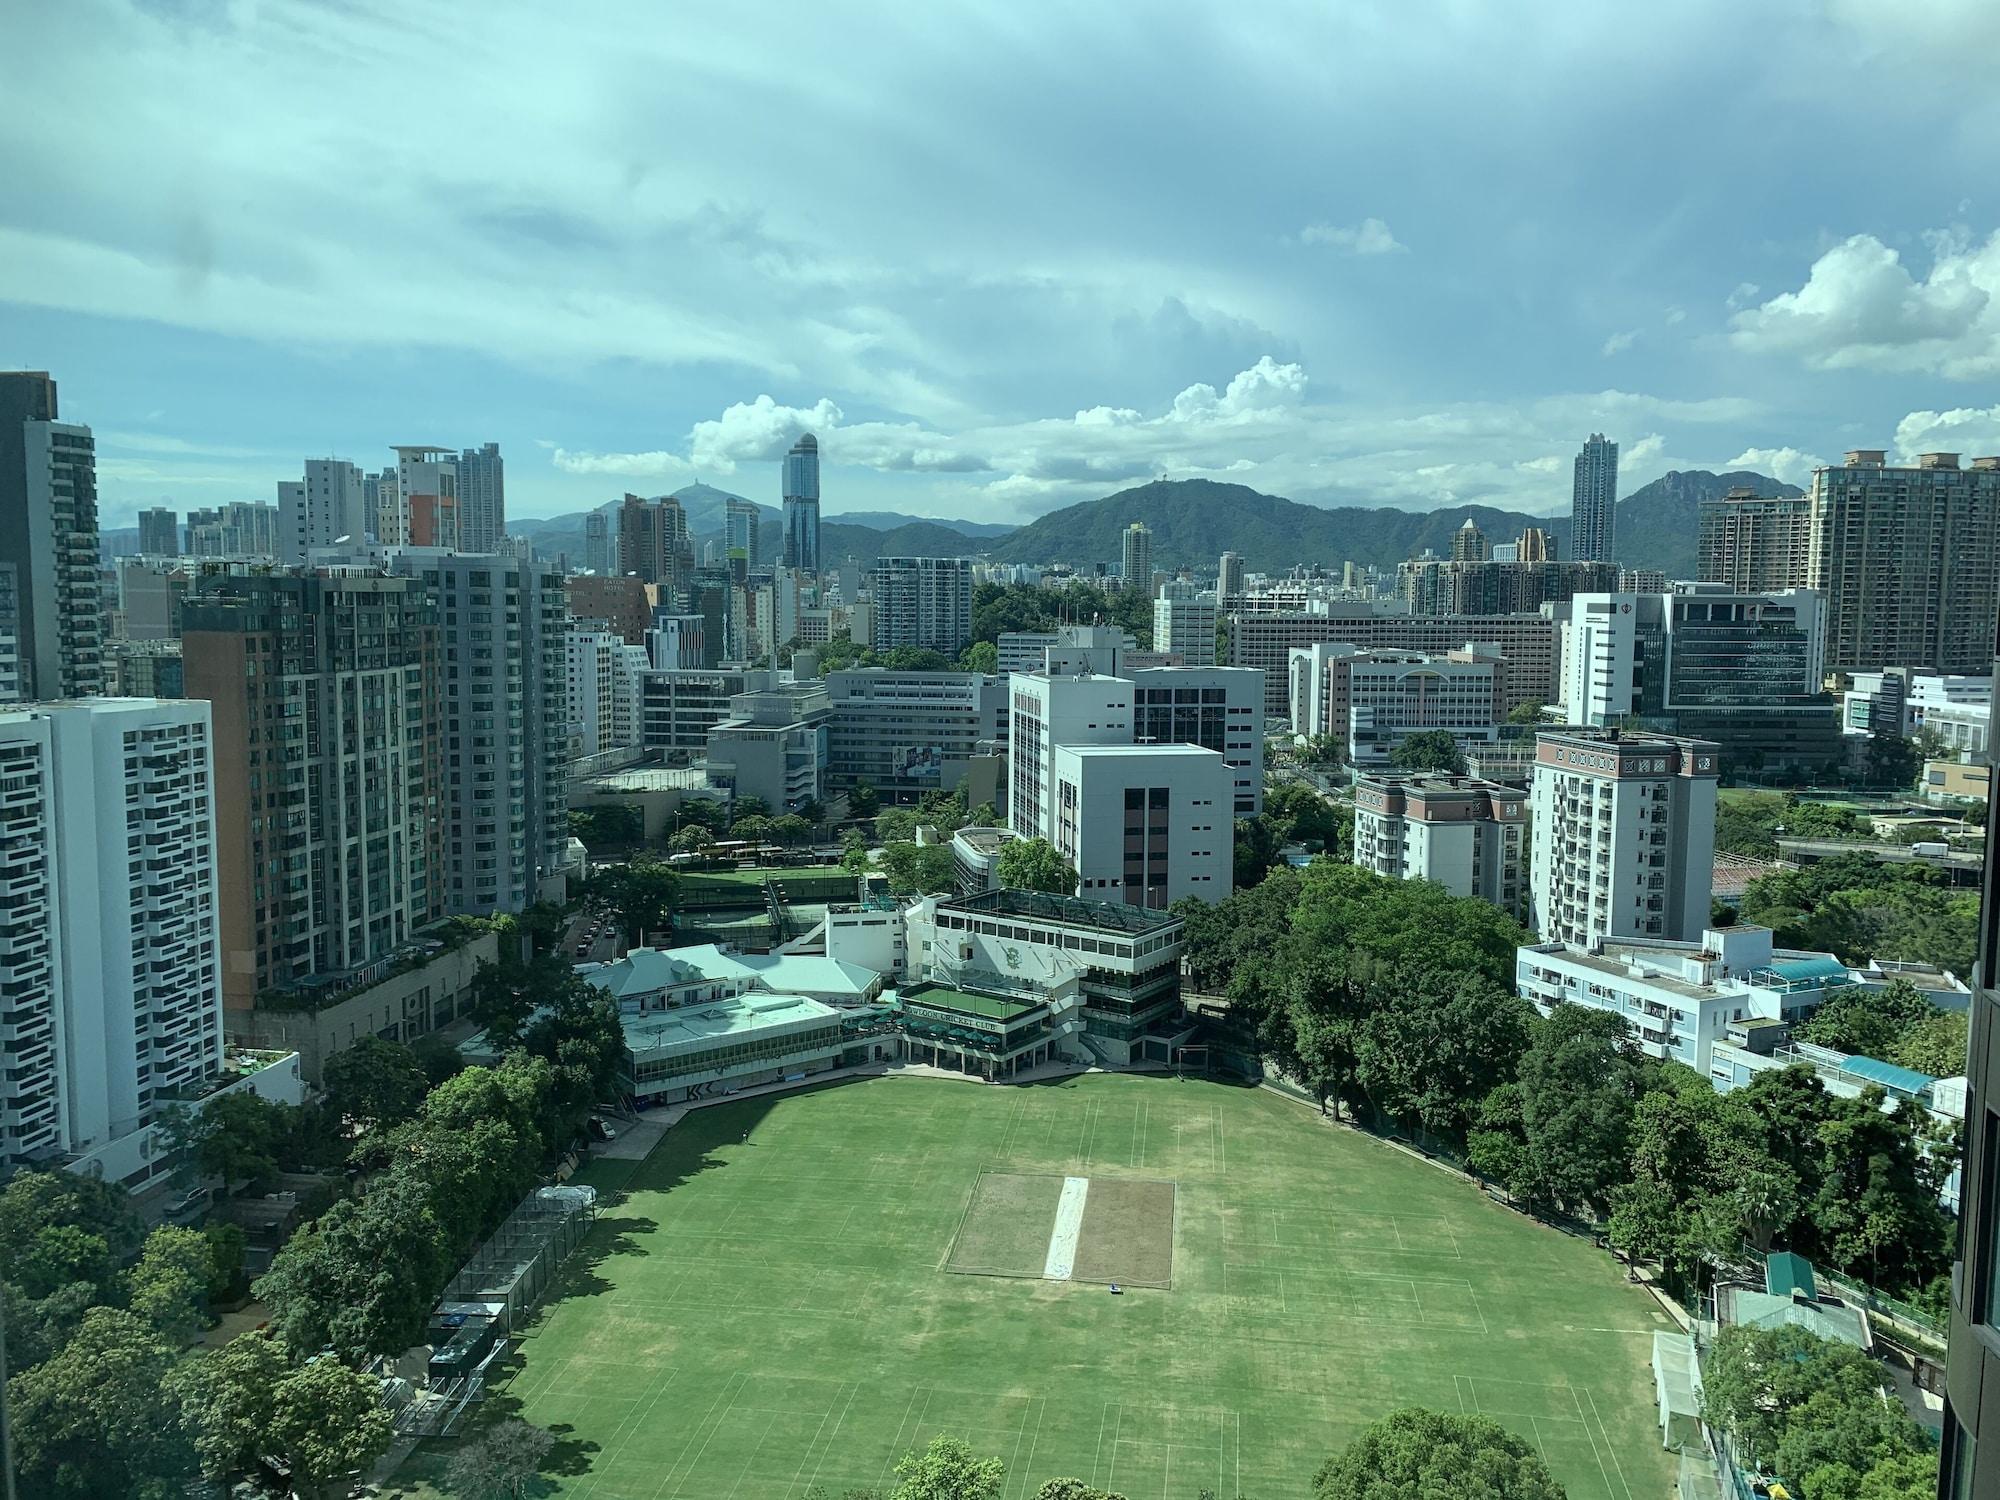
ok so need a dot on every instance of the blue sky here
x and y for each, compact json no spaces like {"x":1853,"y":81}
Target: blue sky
{"x":1002,"y":257}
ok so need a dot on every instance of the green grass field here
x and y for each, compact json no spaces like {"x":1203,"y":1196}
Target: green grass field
{"x":758,"y":1315}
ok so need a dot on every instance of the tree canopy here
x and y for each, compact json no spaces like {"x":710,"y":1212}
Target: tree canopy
{"x":1034,"y":865}
{"x":1417,"y":1452}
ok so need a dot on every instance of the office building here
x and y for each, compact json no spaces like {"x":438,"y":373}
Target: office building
{"x":1909,"y":561}
{"x":48,"y":533}
{"x":10,"y":636}
{"x":620,"y":600}
{"x":800,"y":490}
{"x":1028,"y":650}
{"x":482,"y":498}
{"x":675,"y":643}
{"x":107,"y":852}
{"x":1468,"y":543}
{"x":740,"y":523}
{"x":1754,"y":543}
{"x":1217,"y":708}
{"x":907,"y":733}
{"x":324,"y":692}
{"x":922,"y":602}
{"x":1594,"y":501}
{"x":1229,"y":581}
{"x":679,"y":707}
{"x":149,"y":595}
{"x":1136,"y":562}
{"x":772,"y":746}
{"x":1970,"y":1457}
{"x":1184,"y":623}
{"x":504,"y":802}
{"x":144,"y":669}
{"x":1145,"y":825}
{"x":1624,"y":843}
{"x":327,"y":507}
{"x":600,"y":554}
{"x":1485,"y":587}
{"x":1469,"y":836}
{"x":1265,"y":642}
{"x":1701,"y":646}
{"x":159,"y":533}
{"x":1371,"y":701}
{"x":240,"y":529}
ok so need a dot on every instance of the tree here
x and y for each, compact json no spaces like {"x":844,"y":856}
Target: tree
{"x":918,"y":869}
{"x":1579,"y":1084}
{"x":1526,"y":713}
{"x":1935,"y":1045}
{"x":863,"y":801}
{"x":58,"y":1229}
{"x":362,"y":1278}
{"x":1076,"y":1489}
{"x":1429,"y":750}
{"x":691,"y":839}
{"x":980,"y":656}
{"x":247,"y":1401}
{"x":239,"y":1138}
{"x":947,"y":1470}
{"x":1434,"y":1045}
{"x":1034,"y":865}
{"x":501,"y":1462}
{"x":375,"y":1082}
{"x":791,"y":830}
{"x":642,"y":893}
{"x":97,"y":1418}
{"x":228,"y":1246}
{"x":752,"y":829}
{"x":1868,"y":1022}
{"x":1416,"y":1452}
{"x":168,"y":1288}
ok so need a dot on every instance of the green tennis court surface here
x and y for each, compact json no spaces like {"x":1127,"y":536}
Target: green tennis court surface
{"x":757,"y":1317}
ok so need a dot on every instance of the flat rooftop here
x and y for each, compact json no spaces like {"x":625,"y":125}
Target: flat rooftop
{"x":693,"y":1027}
{"x":988,"y":1007}
{"x":1074,"y":910}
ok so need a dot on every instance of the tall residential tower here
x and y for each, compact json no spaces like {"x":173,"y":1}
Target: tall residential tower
{"x":801,"y":496}
{"x":1594,"y":501}
{"x":48,"y":531}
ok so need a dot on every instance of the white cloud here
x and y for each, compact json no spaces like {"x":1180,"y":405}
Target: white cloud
{"x":1745,"y":293}
{"x":1973,"y":431}
{"x":756,"y":432}
{"x":1645,"y":454}
{"x":1788,"y":464}
{"x":1369,"y":237}
{"x":1675,"y":315}
{"x":655,"y":465}
{"x":1861,"y":308}
{"x":1618,"y":343}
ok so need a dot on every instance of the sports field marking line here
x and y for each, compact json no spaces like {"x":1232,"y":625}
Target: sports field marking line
{"x":813,"y":1478}
{"x":1112,"y":1473}
{"x":1060,"y":1262}
{"x":965,"y":1213}
{"x":722,"y":1399}
{"x":1096,"y":1456}
{"x":1238,"y":1486}
{"x":1090,"y":1113}
{"x":889,"y":1466}
{"x":1610,"y":1447}
{"x":1535,"y":1425}
{"x":1014,"y":1462}
{"x":637,"y":1417}
{"x":1458,"y":1385}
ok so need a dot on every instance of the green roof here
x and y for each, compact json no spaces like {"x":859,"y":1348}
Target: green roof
{"x":992,"y":1008}
{"x":1786,"y":1273}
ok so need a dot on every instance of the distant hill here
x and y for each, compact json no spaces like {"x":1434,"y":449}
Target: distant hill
{"x":1194,"y":521}
{"x":840,"y":542}
{"x":889,"y":520}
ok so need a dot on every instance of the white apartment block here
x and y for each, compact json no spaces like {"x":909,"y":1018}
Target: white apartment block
{"x":327,"y":507}
{"x":1624,"y":835}
{"x":1184,"y":622}
{"x":1680,"y":998}
{"x":110,"y":970}
{"x":1469,"y":836}
{"x":1371,"y":701}
{"x":602,"y":681}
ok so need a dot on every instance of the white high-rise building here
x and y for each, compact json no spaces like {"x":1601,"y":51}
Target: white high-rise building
{"x":108,"y":935}
{"x":1624,"y":835}
{"x":603,"y":689}
{"x":1144,"y":824}
{"x":1136,"y":562}
{"x":327,"y":507}
{"x":1184,"y":623}
{"x":48,"y":531}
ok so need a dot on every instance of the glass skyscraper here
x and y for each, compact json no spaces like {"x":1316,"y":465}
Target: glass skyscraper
{"x":801,"y":491}
{"x":1594,"y":501}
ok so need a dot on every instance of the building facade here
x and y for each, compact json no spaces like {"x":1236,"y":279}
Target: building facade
{"x":901,"y":732}
{"x":325,"y":508}
{"x":1265,"y":641}
{"x":109,"y":930}
{"x":800,"y":493}
{"x":772,"y":746}
{"x":159,"y":533}
{"x":922,"y":602}
{"x":1483,"y":587}
{"x":1909,"y":561}
{"x":1136,"y":559}
{"x":1371,"y":701}
{"x":323,"y":693}
{"x":1752,"y":543}
{"x":1144,"y":825}
{"x":482,"y":498}
{"x":1217,"y":708}
{"x":1184,"y":622}
{"x":1594,"y":501}
{"x":1469,"y":836}
{"x":241,"y":528}
{"x":1624,"y":841}
{"x":48,"y":533}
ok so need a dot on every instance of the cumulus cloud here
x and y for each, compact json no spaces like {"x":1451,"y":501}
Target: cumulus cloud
{"x":1618,"y":343}
{"x":1969,"y":430}
{"x":1788,"y":464}
{"x":655,"y":465}
{"x":1861,"y":308}
{"x":1369,"y":237}
{"x":756,"y":432}
{"x":1265,"y":386}
{"x":1644,"y":454}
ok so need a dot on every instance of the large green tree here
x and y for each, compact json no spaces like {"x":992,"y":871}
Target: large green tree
{"x":97,"y":1418}
{"x":1035,"y":865}
{"x":948,"y":1470}
{"x":1417,"y":1454}
{"x":374,"y":1082}
{"x":169,"y":1286}
{"x":1434,"y":1044}
{"x":1429,"y":750}
{"x":248,"y":1400}
{"x":501,"y":1462}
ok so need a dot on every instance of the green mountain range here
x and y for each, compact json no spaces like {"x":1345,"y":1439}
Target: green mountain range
{"x":1194,"y":521}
